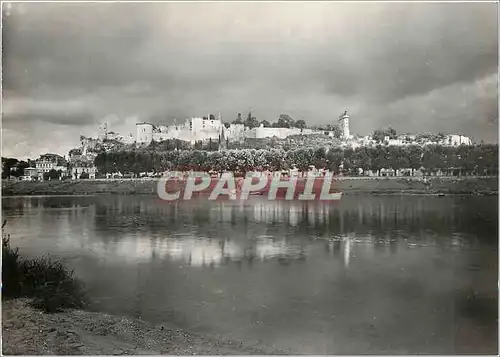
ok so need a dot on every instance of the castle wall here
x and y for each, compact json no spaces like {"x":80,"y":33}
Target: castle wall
{"x":280,"y":133}
{"x":235,"y":132}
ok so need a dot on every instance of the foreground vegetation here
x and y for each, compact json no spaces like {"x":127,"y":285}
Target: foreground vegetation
{"x":50,"y":285}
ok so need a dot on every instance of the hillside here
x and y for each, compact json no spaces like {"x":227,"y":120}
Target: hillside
{"x":290,"y":143}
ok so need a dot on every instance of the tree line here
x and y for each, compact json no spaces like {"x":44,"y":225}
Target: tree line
{"x":283,"y":121}
{"x":432,"y":159}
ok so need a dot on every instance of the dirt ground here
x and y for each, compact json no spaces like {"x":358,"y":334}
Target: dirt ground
{"x":26,"y":331}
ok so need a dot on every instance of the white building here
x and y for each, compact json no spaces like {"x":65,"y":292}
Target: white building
{"x":196,"y":129}
{"x":50,"y":162}
{"x":79,"y":169}
{"x":457,"y":140}
{"x":413,"y":139}
{"x":31,"y":172}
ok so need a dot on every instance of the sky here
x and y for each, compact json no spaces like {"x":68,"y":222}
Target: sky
{"x":417,"y":67}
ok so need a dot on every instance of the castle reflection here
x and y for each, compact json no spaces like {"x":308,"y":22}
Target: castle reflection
{"x":207,"y":233}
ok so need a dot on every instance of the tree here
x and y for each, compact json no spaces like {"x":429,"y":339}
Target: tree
{"x":320,"y":161}
{"x":380,"y":134}
{"x":301,"y":158}
{"x":75,"y":152}
{"x":7,"y":165}
{"x":301,"y":124}
{"x":334,"y":159}
{"x":337,"y":133}
{"x":377,"y":159}
{"x":265,"y":124}
{"x":21,"y":166}
{"x":414,"y":153}
{"x":238,"y":119}
{"x":391,"y":133}
{"x":480,"y":159}
{"x":52,"y":175}
{"x":362,"y":159}
{"x":398,"y":158}
{"x":84,"y":175}
{"x":251,"y":121}
{"x":285,"y":121}
{"x":198,"y":145}
{"x":432,"y":159}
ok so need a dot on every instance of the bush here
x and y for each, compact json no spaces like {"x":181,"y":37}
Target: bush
{"x":49,"y":283}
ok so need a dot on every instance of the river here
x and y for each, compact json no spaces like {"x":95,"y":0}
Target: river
{"x":369,"y":274}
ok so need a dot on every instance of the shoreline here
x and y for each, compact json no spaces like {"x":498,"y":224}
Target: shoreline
{"x":27,"y":331}
{"x":346,"y":185}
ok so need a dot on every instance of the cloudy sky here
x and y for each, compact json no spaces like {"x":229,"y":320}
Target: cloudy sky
{"x":418,"y":67}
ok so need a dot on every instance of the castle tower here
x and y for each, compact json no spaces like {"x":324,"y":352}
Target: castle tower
{"x":344,"y":125}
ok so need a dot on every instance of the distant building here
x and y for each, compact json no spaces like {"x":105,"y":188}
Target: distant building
{"x":194,"y":130}
{"x":211,"y":128}
{"x":48,"y":162}
{"x":456,"y":140}
{"x":31,"y":172}
{"x":78,"y":168}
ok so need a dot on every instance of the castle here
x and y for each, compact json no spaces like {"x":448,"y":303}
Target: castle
{"x":212,"y":128}
{"x":196,"y":129}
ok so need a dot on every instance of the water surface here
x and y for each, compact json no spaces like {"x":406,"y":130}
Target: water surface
{"x":399,"y":274}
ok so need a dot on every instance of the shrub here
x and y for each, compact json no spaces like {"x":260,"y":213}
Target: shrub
{"x":49,"y":283}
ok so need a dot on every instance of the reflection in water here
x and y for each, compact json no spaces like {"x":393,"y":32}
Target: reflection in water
{"x":308,"y":277}
{"x":347,"y":251}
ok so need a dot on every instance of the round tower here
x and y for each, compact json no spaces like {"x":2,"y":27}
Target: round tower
{"x":344,"y":125}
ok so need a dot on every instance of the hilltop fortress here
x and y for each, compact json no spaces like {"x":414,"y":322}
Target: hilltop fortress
{"x":212,"y":128}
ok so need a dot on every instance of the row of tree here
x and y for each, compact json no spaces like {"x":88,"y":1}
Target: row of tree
{"x":284,"y":121}
{"x":462,"y":160}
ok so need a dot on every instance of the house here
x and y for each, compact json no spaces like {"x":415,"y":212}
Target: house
{"x":78,"y":172}
{"x":82,"y":167}
{"x":48,"y":162}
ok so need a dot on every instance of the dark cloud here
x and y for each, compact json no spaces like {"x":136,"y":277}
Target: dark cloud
{"x":75,"y":64}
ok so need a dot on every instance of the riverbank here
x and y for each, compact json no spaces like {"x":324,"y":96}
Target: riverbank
{"x":348,"y":186}
{"x":27,"y":331}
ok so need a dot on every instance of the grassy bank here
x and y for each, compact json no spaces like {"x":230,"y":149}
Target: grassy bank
{"x":437,"y":185}
{"x":49,"y":284}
